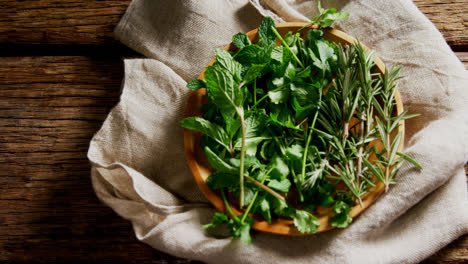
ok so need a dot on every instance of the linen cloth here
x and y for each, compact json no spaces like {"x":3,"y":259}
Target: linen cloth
{"x":138,"y":161}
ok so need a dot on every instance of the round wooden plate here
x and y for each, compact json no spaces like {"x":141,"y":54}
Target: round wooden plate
{"x":201,"y":168}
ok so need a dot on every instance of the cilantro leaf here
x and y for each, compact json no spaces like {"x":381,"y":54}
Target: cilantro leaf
{"x":208,"y":128}
{"x":241,"y":40}
{"x":218,"y":219}
{"x":280,"y":168}
{"x":328,"y":16}
{"x":282,"y":186}
{"x":341,"y":219}
{"x":196,"y":84}
{"x":306,"y":222}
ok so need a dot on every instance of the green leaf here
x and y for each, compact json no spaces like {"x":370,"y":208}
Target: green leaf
{"x":250,"y":144}
{"x":231,"y":121}
{"x":279,"y":96}
{"x":341,"y":218}
{"x":306,"y":222}
{"x":280,"y":168}
{"x":295,"y":152}
{"x":277,"y":54}
{"x":255,"y":71}
{"x":395,"y":146}
{"x":219,"y":180}
{"x":196,"y":84}
{"x":282,"y":186}
{"x":227,"y":62}
{"x":255,"y":122}
{"x":241,"y":40}
{"x":328,"y":16}
{"x":263,"y":208}
{"x":218,"y":219}
{"x":265,"y":31}
{"x":219,"y":164}
{"x":249,"y":54}
{"x":206,"y":127}
{"x":222,"y":89}
{"x":409,"y":159}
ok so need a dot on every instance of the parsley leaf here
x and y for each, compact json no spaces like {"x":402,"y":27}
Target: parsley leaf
{"x":306,"y":222}
{"x":341,"y":219}
{"x":328,"y":16}
{"x":218,"y":219}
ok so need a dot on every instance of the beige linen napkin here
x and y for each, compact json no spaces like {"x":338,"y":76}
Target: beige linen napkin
{"x":139,"y":167}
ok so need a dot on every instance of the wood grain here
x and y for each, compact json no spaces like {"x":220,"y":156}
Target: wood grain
{"x":51,"y":106}
{"x":92,"y":22}
{"x":60,"y":22}
{"x":49,"y":109}
{"x":450,"y":18}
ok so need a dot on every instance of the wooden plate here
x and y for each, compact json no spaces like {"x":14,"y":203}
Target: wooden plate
{"x":201,"y":168}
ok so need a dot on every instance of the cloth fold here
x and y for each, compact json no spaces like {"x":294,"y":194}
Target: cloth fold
{"x":139,"y":166}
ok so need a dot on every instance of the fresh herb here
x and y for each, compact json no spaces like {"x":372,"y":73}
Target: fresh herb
{"x":293,"y":127}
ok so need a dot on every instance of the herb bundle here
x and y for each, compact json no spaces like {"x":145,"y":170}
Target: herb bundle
{"x":292,"y":128}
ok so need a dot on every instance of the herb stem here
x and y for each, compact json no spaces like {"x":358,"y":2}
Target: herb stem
{"x":266,"y":188}
{"x":286,"y":46}
{"x":254,"y":197}
{"x":228,"y":208}
{"x":242,"y":158}
{"x":309,"y":137}
{"x":255,"y":91}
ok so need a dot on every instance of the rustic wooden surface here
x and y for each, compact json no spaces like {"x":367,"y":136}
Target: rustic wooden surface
{"x":50,"y":106}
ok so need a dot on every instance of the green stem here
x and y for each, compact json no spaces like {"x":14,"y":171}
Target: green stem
{"x":266,"y":95}
{"x":228,"y":208}
{"x":254,"y":198}
{"x":255,"y":91}
{"x":286,"y":45}
{"x":309,"y":137}
{"x":242,"y":158}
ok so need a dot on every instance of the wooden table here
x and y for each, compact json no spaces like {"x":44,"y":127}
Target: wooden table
{"x":60,"y":74}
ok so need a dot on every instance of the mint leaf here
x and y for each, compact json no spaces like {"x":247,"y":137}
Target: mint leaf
{"x":227,"y":62}
{"x":222,"y":89}
{"x":218,"y":163}
{"x":196,"y":84}
{"x":249,"y":54}
{"x":253,"y":72}
{"x":232,"y":123}
{"x":206,"y":127}
{"x":218,"y":219}
{"x":219,"y":180}
{"x":306,"y":222}
{"x":265,"y":31}
{"x":255,"y":122}
{"x":241,"y":40}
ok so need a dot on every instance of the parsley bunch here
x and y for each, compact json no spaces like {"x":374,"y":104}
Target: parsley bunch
{"x":278,"y":127}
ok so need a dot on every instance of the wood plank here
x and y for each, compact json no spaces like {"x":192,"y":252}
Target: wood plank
{"x":49,"y":109}
{"x":60,"y":22}
{"x":71,"y":22}
{"x":450,"y":18}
